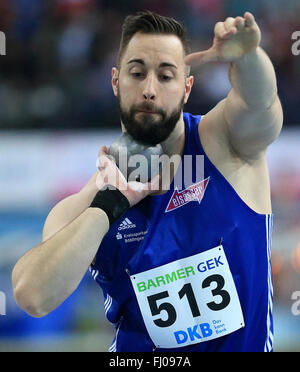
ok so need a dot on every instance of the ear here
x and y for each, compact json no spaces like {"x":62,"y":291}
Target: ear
{"x":189,"y":82}
{"x":115,"y":80}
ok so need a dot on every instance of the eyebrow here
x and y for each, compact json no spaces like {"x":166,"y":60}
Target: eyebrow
{"x":142,"y":62}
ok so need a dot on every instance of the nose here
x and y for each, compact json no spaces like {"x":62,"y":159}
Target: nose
{"x":149,"y":92}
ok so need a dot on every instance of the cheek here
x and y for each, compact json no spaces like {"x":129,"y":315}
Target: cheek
{"x":127,"y":91}
{"x":176,"y":94}
{"x":171,"y":94}
{"x":176,"y":89}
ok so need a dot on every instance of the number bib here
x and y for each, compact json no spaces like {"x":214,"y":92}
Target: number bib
{"x":189,"y":301}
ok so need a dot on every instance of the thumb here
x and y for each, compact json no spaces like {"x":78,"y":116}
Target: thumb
{"x":199,"y":58}
{"x":103,"y":151}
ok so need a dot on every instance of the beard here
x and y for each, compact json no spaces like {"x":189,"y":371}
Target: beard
{"x":149,"y":129}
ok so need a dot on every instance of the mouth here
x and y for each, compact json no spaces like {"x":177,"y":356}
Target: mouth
{"x":147,"y":112}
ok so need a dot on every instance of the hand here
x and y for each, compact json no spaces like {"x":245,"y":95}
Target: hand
{"x":109,"y":174}
{"x":233,"y":39}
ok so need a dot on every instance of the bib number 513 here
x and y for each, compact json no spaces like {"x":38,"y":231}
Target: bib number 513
{"x":187,"y":290}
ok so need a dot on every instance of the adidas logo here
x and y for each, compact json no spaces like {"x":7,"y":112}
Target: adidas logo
{"x":126,"y":224}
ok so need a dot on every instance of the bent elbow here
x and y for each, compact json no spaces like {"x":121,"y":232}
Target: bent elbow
{"x":29,"y":303}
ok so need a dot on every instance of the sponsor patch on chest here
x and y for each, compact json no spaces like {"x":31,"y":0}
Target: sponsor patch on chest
{"x":192,"y":193}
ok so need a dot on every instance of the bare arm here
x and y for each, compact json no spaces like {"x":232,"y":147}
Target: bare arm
{"x":252,"y":109}
{"x":69,"y":209}
{"x":251,"y":116}
{"x":40,"y":283}
{"x":50,"y":272}
{"x":254,"y":81}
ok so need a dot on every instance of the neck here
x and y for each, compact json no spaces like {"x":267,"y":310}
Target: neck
{"x":174,"y":144}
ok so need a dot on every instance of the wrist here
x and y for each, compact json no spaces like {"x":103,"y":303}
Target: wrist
{"x":248,"y":57}
{"x":112,"y":202}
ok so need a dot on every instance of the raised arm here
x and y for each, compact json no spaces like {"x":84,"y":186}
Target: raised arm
{"x":251,"y":115}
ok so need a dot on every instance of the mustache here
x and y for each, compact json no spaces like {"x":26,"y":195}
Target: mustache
{"x":148,"y":107}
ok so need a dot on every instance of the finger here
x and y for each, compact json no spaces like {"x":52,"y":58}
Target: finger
{"x":102,"y":151}
{"x":222,"y":33}
{"x":106,"y":150}
{"x":104,"y":159}
{"x":220,"y":30}
{"x":249,"y":19}
{"x":113,"y":176}
{"x":231,"y":32}
{"x":104,"y":154}
{"x":200,"y":57}
{"x":102,"y":162}
{"x":239,"y":23}
{"x":229,"y":23}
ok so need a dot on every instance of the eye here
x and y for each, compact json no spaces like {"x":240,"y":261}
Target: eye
{"x":166,"y":77}
{"x":137,"y":74}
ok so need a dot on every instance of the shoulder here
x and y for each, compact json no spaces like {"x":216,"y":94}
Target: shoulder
{"x":249,"y":178}
{"x":214,"y":134}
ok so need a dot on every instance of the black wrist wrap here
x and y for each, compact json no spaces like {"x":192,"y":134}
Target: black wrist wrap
{"x":112,"y":202}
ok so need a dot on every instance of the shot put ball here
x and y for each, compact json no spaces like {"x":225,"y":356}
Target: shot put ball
{"x":137,"y":161}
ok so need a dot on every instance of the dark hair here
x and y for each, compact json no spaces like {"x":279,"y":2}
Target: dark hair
{"x":150,"y":23}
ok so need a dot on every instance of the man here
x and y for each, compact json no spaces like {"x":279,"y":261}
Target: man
{"x":181,"y":270}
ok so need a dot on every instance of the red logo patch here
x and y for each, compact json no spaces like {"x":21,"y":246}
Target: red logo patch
{"x":192,"y":193}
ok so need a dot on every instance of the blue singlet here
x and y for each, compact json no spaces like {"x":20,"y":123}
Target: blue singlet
{"x":169,"y":227}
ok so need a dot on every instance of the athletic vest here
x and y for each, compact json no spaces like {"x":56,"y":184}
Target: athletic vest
{"x":189,"y":270}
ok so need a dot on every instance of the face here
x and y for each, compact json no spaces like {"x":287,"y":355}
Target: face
{"x":151,"y":86}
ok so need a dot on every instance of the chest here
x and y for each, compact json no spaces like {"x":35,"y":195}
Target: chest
{"x":173,"y":227}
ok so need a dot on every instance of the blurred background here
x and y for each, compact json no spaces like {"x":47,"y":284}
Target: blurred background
{"x":56,"y":110}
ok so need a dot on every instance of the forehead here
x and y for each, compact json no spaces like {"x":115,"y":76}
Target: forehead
{"x":155,"y":48}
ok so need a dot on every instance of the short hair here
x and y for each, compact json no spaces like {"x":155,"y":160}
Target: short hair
{"x":151,"y":23}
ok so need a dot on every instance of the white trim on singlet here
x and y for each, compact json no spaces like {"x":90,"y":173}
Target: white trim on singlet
{"x":94,"y":272}
{"x":270,"y":336}
{"x":113,"y":348}
{"x":107,"y":304}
